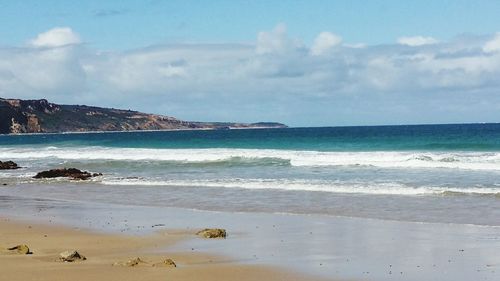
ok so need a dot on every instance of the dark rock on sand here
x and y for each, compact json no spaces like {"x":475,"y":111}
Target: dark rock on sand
{"x":71,"y":256}
{"x":20,"y":249}
{"x":66,"y":172}
{"x":212,"y":233}
{"x":8,"y":165}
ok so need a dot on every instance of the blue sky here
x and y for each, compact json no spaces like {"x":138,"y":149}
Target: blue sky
{"x":299,"y":62}
{"x":121,"y":24}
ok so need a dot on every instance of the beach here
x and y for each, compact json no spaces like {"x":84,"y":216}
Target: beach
{"x":272,"y":246}
{"x":362,"y":203}
{"x":106,"y":255}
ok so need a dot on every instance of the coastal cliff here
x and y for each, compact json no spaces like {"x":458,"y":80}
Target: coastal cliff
{"x":40,"y":116}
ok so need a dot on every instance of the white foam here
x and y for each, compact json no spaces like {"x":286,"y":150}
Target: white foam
{"x":384,"y":159}
{"x":308,"y":185}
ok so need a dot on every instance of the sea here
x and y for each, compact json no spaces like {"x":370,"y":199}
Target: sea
{"x":415,"y":173}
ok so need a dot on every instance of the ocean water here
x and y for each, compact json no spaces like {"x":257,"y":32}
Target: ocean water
{"x":427,"y":173}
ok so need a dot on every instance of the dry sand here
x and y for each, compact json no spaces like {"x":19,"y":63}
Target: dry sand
{"x":104,"y":250}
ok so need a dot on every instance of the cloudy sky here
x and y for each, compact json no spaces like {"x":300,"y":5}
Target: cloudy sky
{"x":304,"y":63}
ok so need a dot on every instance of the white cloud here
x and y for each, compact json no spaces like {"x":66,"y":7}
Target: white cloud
{"x":415,"y":41}
{"x":56,"y":37}
{"x":276,"y":41}
{"x":493,"y":45}
{"x":45,"y":70}
{"x":324,"y":42}
{"x":276,"y":78}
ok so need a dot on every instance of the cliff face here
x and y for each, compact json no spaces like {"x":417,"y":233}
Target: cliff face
{"x":17,"y":116}
{"x":40,"y":116}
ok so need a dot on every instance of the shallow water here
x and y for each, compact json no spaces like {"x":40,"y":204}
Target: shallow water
{"x":462,"y":209}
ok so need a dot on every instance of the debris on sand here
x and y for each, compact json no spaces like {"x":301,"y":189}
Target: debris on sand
{"x":212,"y":233}
{"x":21,"y":249}
{"x":71,"y":256}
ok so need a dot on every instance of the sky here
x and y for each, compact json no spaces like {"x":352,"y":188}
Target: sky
{"x":303,"y":63}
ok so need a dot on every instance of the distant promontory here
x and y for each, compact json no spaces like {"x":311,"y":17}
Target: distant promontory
{"x":40,"y":116}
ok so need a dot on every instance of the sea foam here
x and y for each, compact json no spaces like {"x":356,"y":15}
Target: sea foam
{"x":380,"y":188}
{"x":384,"y":159}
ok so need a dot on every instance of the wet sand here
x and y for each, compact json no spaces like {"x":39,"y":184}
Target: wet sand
{"x":259,"y":246}
{"x":104,"y":250}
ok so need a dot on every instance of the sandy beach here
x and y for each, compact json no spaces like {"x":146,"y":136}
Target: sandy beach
{"x":106,"y":252}
{"x":259,"y":246}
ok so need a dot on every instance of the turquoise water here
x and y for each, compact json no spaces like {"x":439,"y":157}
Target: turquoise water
{"x":475,"y":137}
{"x":447,"y":173}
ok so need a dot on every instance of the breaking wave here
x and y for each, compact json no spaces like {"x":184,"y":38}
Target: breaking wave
{"x":222,"y":156}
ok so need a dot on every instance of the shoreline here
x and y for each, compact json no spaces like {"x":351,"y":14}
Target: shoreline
{"x":403,"y":208}
{"x":106,"y":254}
{"x":138,"y":131}
{"x":263,"y":127}
{"x":489,"y":224}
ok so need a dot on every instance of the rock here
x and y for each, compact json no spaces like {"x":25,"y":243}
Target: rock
{"x":66,"y":172}
{"x":8,"y":165}
{"x":134,"y":262}
{"x":21,"y":249}
{"x":71,"y":256}
{"x":212,"y":233}
{"x":131,"y":263}
{"x":166,"y":263}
